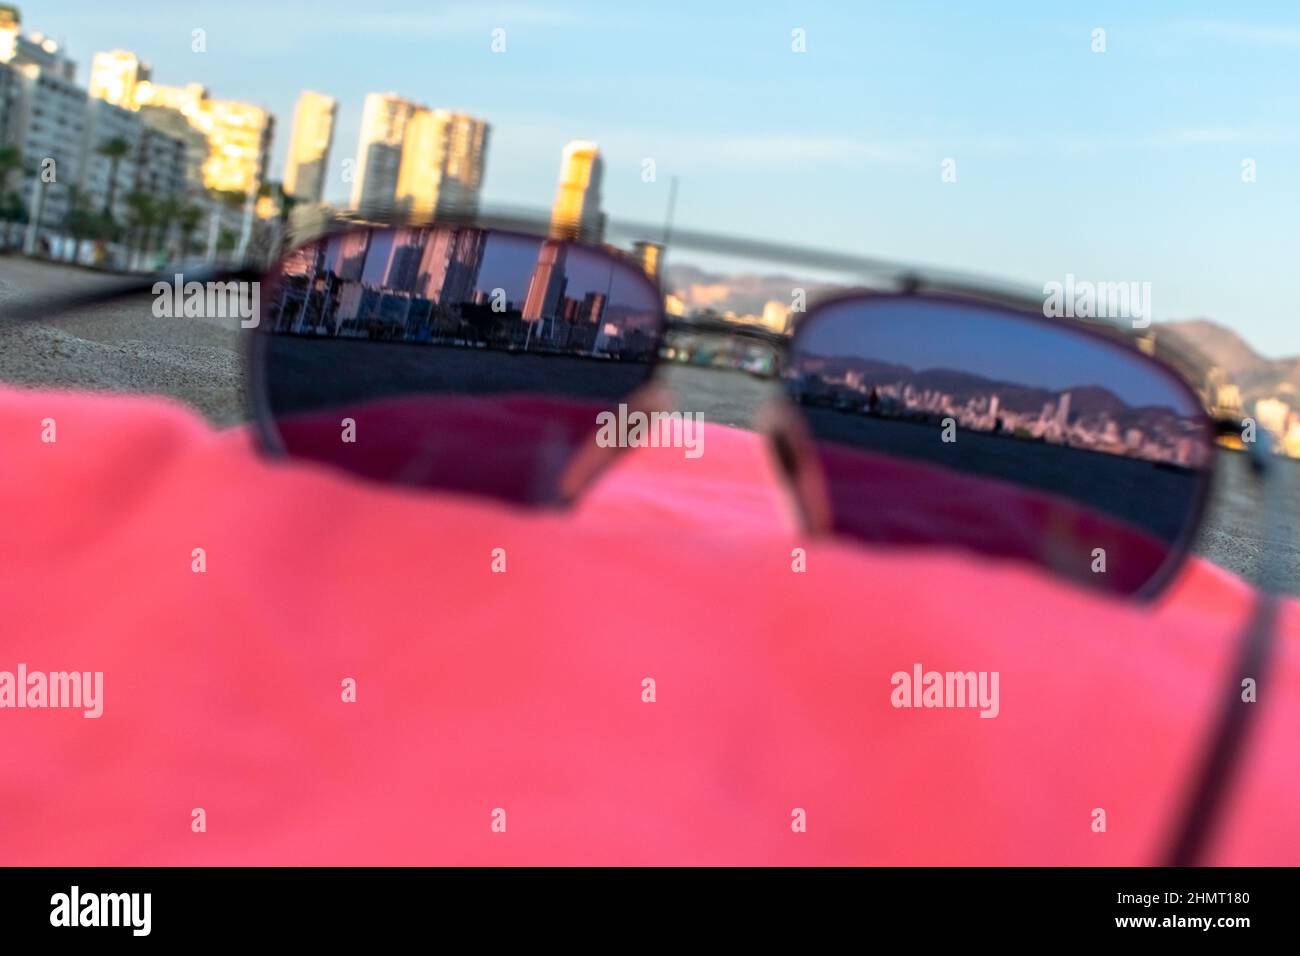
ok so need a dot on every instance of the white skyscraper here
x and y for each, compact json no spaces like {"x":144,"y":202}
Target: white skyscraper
{"x":417,"y":160}
{"x":379,"y":150}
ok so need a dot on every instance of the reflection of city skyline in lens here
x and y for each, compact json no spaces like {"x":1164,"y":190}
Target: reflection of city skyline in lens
{"x":465,"y":286}
{"x":995,"y":344}
{"x":993,"y":372}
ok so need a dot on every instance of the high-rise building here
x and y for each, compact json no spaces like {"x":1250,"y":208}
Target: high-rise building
{"x":175,"y":126}
{"x":650,"y":257}
{"x":237,"y":136}
{"x":115,"y":76}
{"x":379,"y":150}
{"x":309,"y":146}
{"x":592,"y":308}
{"x":105,"y":123}
{"x":546,"y":285}
{"x":417,"y":160}
{"x":393,"y":264}
{"x":46,"y":122}
{"x":450,"y":266}
{"x":35,"y":49}
{"x":186,"y":99}
{"x":576,"y":214}
{"x":164,"y":167}
{"x":461,"y":161}
{"x":442,"y":163}
{"x":239,"y":141}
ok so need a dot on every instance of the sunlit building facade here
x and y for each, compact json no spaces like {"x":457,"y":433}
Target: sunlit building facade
{"x":239,"y":141}
{"x":418,"y":161}
{"x":650,"y":257}
{"x":442,"y":163}
{"x":36,"y":49}
{"x":309,"y":146}
{"x":379,"y":150}
{"x":115,"y":77}
{"x":576,"y":213}
{"x":237,"y":136}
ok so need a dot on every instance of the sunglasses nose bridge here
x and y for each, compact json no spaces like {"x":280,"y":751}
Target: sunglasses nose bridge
{"x":792,"y":449}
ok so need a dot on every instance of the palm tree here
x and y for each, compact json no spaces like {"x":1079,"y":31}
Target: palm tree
{"x":285,"y":204}
{"x":226,"y":240}
{"x":11,"y":159}
{"x":114,"y":150}
{"x":168,"y":211}
{"x":12,"y":210}
{"x":80,"y":221}
{"x":190,"y":216}
{"x":143,"y":217}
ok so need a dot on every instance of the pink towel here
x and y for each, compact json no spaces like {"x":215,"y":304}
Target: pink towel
{"x":505,"y":717}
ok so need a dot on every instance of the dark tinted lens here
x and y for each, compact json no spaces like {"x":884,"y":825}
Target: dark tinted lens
{"x":945,"y":422}
{"x":451,"y":358}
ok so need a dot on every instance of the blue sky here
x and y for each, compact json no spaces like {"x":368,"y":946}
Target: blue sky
{"x":1122,"y":165}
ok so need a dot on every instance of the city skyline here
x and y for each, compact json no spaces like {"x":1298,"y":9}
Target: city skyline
{"x":1129,"y":134}
{"x":457,"y":285}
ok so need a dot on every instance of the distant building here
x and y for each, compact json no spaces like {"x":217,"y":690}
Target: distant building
{"x":309,"y":146}
{"x":35,"y":49}
{"x":442,"y":164}
{"x":173,"y":125}
{"x":576,"y":213}
{"x":776,"y":315}
{"x":1273,"y":414}
{"x":105,"y":122}
{"x":379,"y":150}
{"x":649,"y":255}
{"x":115,"y":77}
{"x":237,"y":136}
{"x":46,"y":122}
{"x":239,"y":141}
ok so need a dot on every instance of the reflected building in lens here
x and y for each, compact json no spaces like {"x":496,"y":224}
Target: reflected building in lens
{"x":449,"y":267}
{"x":546,"y":285}
{"x":576,"y":213}
{"x":350,"y":257}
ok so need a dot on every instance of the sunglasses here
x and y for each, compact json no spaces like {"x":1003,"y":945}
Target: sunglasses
{"x":483,"y":355}
{"x":480,"y":361}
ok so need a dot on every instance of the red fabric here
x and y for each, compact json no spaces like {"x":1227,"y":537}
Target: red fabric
{"x":896,"y":501}
{"x":519,"y":444}
{"x":523,"y":690}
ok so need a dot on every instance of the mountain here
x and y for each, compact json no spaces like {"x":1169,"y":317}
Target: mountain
{"x":1257,"y":377}
{"x":1094,"y":403}
{"x":1208,"y":342}
{"x":743,"y":294}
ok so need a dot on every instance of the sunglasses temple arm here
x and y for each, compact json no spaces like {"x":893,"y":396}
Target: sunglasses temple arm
{"x":1255,"y":650}
{"x":42,"y":308}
